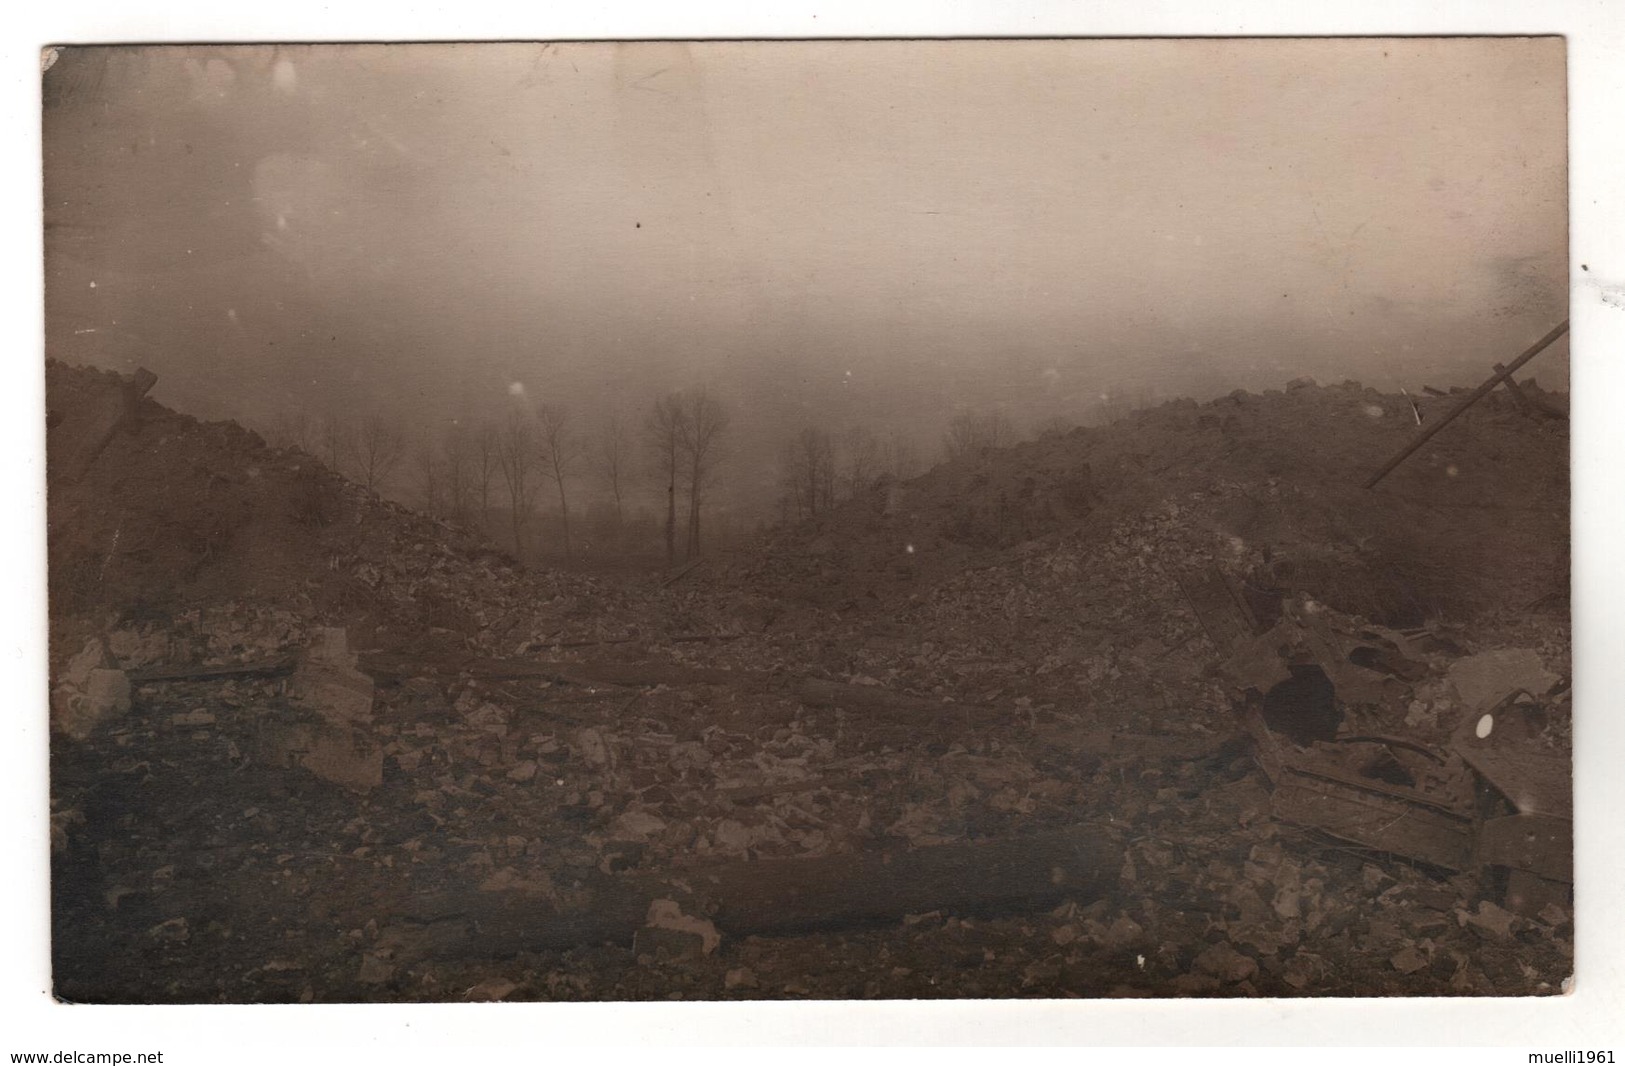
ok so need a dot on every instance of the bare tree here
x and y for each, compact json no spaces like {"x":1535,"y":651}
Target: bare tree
{"x":377,"y":446}
{"x":515,"y":452}
{"x":1124,"y":402}
{"x":663,"y":435}
{"x":969,"y":432}
{"x":430,"y":470}
{"x":294,"y":430}
{"x":559,"y":454}
{"x":807,"y":467}
{"x":333,"y":441}
{"x":456,"y":461}
{"x":704,"y":422}
{"x":1054,"y":427}
{"x":860,"y":466}
{"x":900,"y":458}
{"x":612,"y":457}
{"x":485,"y":463}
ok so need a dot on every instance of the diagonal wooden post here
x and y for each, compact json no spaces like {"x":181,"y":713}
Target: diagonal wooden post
{"x":1467,"y":401}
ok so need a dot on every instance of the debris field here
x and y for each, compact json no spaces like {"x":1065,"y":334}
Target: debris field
{"x":1169,"y":707}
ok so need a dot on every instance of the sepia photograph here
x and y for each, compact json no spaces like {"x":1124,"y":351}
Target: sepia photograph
{"x":740,"y":520}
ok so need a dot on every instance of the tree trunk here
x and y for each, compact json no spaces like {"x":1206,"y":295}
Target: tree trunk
{"x":564,"y":515}
{"x":671,"y":517}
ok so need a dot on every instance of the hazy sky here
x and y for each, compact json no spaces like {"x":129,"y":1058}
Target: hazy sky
{"x":845,"y":231}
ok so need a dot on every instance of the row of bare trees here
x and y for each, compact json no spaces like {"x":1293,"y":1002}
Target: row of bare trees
{"x":366,"y":451}
{"x":468,"y":472}
{"x":683,"y":433}
{"x":818,"y":470}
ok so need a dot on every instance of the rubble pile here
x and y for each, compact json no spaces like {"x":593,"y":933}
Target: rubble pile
{"x":1270,"y":482}
{"x":364,"y":758}
{"x":176,"y":516}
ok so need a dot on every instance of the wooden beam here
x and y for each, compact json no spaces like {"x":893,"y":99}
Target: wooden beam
{"x":1466,"y":402}
{"x":783,"y":896}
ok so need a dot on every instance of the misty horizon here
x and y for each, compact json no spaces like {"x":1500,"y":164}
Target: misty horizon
{"x":845,"y":234}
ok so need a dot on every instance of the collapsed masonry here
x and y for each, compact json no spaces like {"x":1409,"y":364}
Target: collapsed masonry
{"x":456,"y":760}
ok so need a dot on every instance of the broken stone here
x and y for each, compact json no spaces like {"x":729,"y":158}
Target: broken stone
{"x":731,"y":835}
{"x":1491,"y":921}
{"x":375,"y":969}
{"x":489,"y":717}
{"x":1121,"y":935}
{"x":636,"y":825}
{"x":173,"y":931}
{"x":1226,"y":963}
{"x":525,"y":771}
{"x":1192,"y":984}
{"x":590,"y":745}
{"x":1484,"y":679}
{"x":667,"y":915}
{"x":344,"y":756}
{"x":1408,"y":960}
{"x":91,"y":693}
{"x":1298,"y":972}
{"x":739,"y":977}
{"x":423,"y":695}
{"x":491,"y":990}
{"x":328,"y":682}
{"x":93,"y":656}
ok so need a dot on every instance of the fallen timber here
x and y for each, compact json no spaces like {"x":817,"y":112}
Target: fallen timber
{"x":1502,"y":374}
{"x":778,"y":896}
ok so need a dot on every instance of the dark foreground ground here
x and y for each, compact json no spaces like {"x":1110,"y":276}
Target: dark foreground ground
{"x":539,"y":743}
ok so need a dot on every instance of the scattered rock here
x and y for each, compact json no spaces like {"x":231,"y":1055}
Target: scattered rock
{"x":1226,"y":963}
{"x":328,"y":682}
{"x":1408,"y":960}
{"x":1482,"y":680}
{"x":90,"y":693}
{"x":173,"y":931}
{"x":375,"y":969}
{"x":636,"y":825}
{"x":491,"y":990}
{"x":1195,"y":984}
{"x":665,"y":914}
{"x":1490,"y":921}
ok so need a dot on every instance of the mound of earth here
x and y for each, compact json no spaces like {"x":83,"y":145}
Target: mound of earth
{"x":155,"y":516}
{"x":527,"y":743}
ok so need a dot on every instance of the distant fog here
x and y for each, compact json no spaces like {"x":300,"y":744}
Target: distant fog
{"x":842,"y":235}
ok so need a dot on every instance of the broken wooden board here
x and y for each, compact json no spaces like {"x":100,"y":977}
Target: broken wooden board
{"x":82,"y":434}
{"x":1376,"y":818}
{"x":259,"y":668}
{"x":1364,"y":811}
{"x":387,"y":666}
{"x":1533,"y":779}
{"x":780,"y":896}
{"x":1109,"y":744}
{"x":1219,"y":607}
{"x":1539,"y":844}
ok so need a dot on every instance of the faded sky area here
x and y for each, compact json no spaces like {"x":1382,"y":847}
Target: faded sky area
{"x":875,"y":232}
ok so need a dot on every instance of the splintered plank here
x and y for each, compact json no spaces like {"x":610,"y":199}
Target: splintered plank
{"x":259,"y":668}
{"x":784,"y":896}
{"x":1218,"y":605}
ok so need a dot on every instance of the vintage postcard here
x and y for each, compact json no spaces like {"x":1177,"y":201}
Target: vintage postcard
{"x":816,"y":520}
